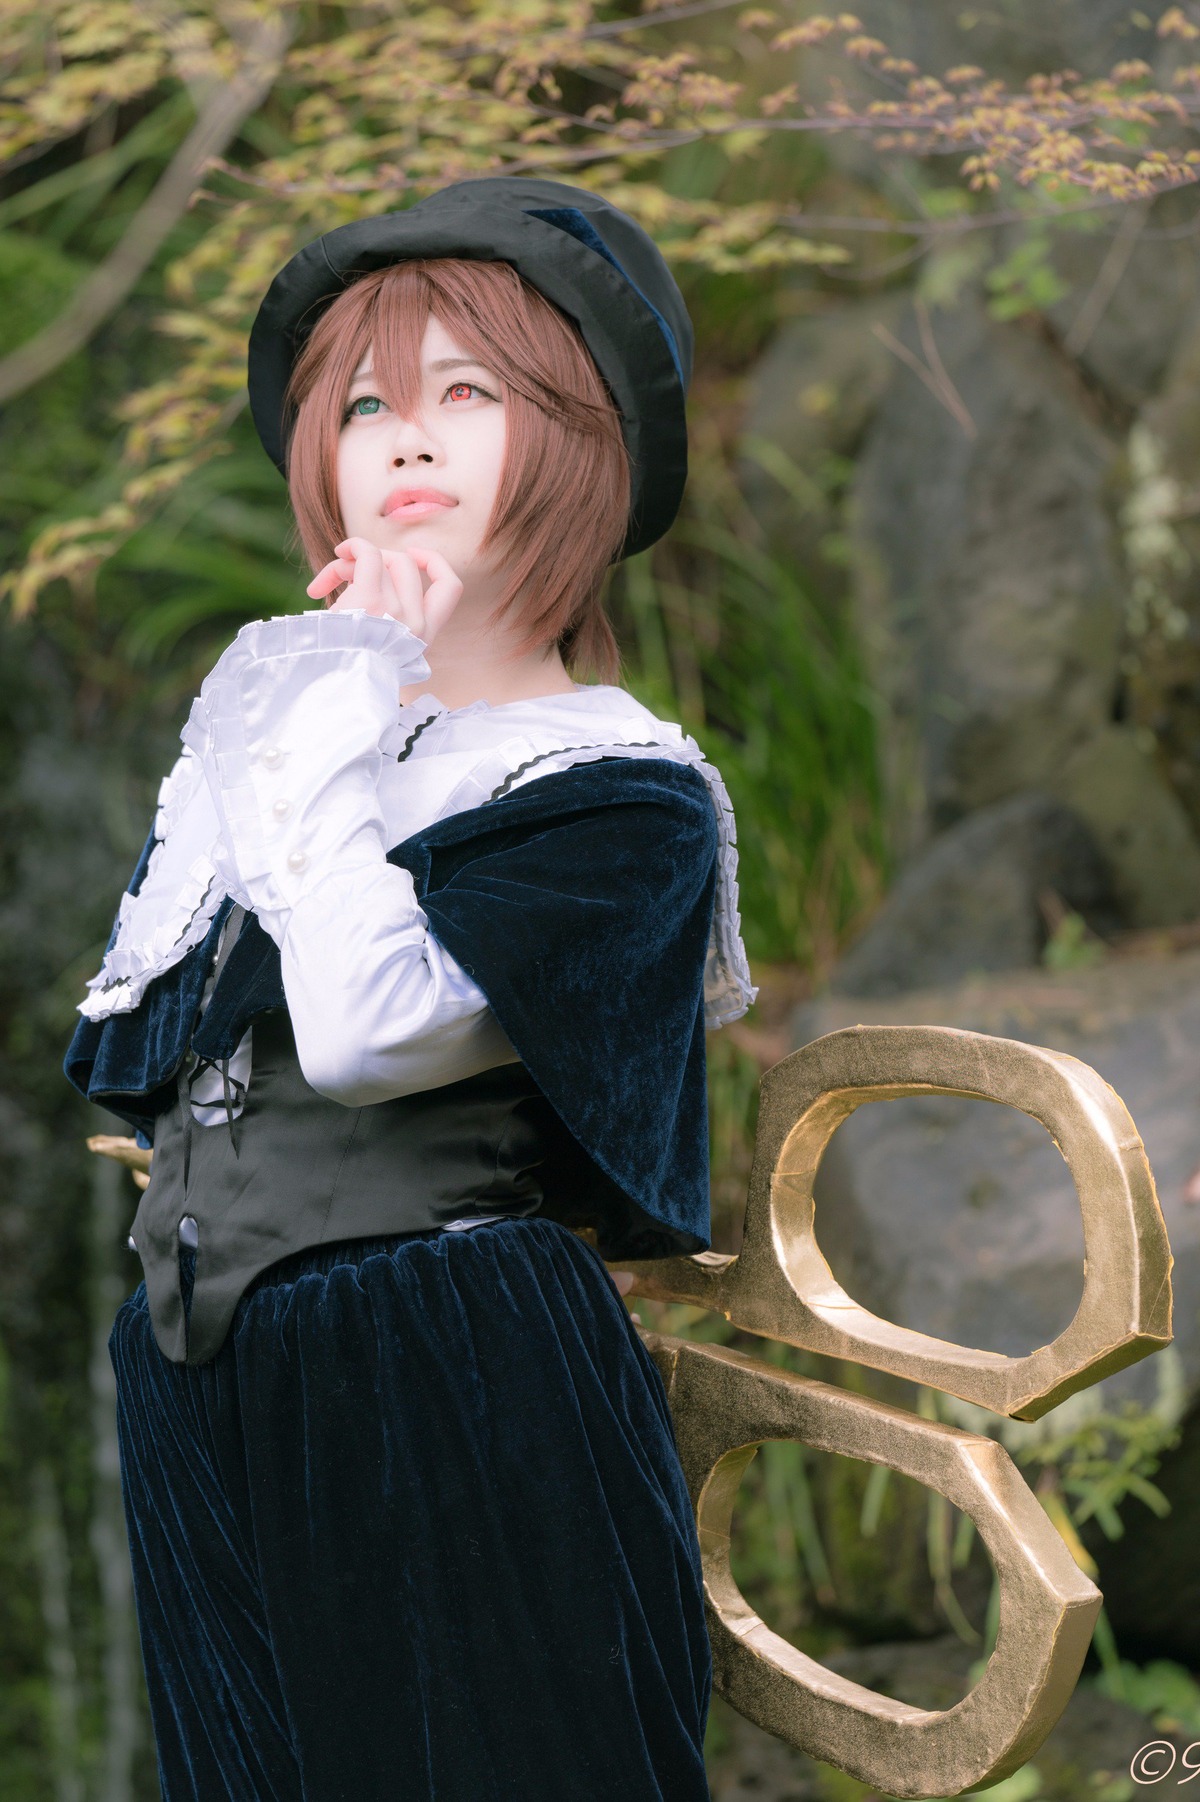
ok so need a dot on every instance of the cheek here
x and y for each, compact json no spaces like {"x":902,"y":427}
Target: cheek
{"x":350,"y":471}
{"x":492,"y":458}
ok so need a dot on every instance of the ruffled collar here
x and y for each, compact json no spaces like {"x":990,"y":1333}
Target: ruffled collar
{"x":438,"y":761}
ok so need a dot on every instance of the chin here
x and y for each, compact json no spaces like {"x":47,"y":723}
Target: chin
{"x":432,"y":527}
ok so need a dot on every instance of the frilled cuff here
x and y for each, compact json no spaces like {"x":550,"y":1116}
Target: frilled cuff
{"x":287,"y":727}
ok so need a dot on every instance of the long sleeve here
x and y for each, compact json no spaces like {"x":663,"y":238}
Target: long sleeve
{"x":287,"y":727}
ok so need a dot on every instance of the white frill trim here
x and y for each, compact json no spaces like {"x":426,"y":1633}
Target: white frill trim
{"x":216,"y":726}
{"x":152,"y":935}
{"x":295,"y":634}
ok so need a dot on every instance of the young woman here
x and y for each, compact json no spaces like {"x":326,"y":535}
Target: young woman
{"x":410,"y":982}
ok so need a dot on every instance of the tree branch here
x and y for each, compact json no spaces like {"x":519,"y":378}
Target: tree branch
{"x":108,"y":284}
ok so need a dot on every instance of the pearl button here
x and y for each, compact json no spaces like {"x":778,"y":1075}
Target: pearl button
{"x":297,"y":861}
{"x":281,"y":809}
{"x":272,"y":757}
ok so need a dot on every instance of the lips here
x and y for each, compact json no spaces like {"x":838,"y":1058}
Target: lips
{"x":413,"y":503}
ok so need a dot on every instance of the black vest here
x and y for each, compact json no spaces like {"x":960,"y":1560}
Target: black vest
{"x":295,"y":1169}
{"x":581,"y":905}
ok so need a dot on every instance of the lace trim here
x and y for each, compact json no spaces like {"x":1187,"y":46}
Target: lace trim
{"x":567,"y":751}
{"x":147,"y":945}
{"x":134,"y":959}
{"x":131,"y":966}
{"x":728,"y":989}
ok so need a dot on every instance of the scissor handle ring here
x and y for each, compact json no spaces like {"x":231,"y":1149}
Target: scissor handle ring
{"x":724,"y":1406}
{"x":780,"y":1285}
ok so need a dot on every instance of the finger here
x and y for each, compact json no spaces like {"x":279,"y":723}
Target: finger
{"x":623,"y":1280}
{"x":331,"y":576}
{"x":367,"y":573}
{"x":444,"y":591}
{"x":410,"y":594}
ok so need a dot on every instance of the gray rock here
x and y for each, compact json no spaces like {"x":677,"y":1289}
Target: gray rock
{"x":1133,"y":287}
{"x":813,"y":391}
{"x":959,"y":1219}
{"x":1141,"y":827}
{"x":987,"y":589}
{"x":970,"y":901}
{"x":1172,"y":417}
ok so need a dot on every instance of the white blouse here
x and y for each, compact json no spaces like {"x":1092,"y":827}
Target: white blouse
{"x":300,"y":770}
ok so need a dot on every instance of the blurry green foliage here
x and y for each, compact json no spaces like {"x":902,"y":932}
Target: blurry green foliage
{"x":1072,"y":945}
{"x":1166,"y":1691}
{"x":722,"y":635}
{"x":1026,"y":281}
{"x":1105,"y":1457}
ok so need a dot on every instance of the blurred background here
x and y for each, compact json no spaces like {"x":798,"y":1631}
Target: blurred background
{"x":932,"y":605}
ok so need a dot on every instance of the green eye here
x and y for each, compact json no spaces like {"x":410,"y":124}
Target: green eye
{"x":371,"y":400}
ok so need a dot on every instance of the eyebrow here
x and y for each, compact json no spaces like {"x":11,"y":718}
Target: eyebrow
{"x":442,"y":363}
{"x":459,"y":363}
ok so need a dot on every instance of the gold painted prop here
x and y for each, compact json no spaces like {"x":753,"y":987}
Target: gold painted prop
{"x":779,"y":1284}
{"x":725,"y":1405}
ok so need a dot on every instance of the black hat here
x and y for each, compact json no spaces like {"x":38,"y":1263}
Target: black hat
{"x":592,"y":260}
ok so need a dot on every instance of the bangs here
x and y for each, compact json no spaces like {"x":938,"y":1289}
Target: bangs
{"x":562,"y":507}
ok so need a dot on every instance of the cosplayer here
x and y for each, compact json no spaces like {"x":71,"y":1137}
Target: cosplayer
{"x":409,"y":986}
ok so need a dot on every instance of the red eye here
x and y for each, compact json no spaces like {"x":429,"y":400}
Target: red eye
{"x":460,"y":390}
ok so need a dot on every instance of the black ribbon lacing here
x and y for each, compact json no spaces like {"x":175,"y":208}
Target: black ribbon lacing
{"x":233,"y":1091}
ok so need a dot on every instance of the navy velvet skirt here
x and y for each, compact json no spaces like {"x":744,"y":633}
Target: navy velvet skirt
{"x":418,"y":1531}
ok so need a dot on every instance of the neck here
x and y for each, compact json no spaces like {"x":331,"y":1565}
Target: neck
{"x":471,"y":660}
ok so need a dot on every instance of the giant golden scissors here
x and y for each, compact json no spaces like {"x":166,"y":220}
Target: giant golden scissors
{"x":725,"y":1404}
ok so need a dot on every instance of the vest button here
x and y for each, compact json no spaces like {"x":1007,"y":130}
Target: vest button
{"x":297,"y":861}
{"x":272,"y":757}
{"x":281,"y":809}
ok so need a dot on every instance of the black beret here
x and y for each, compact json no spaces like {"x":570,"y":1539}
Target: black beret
{"x":586,"y":256}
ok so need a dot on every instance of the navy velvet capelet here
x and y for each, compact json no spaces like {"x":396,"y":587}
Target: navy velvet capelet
{"x":581,"y":905}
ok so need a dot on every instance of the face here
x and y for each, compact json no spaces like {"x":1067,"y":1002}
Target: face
{"x":453,"y":447}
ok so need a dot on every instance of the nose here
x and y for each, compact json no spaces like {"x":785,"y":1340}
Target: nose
{"x":412,"y":444}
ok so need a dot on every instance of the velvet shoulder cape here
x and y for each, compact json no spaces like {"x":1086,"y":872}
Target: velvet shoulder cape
{"x":580,"y":903}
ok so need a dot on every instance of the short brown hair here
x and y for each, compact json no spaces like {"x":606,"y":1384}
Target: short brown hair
{"x":562,"y":507}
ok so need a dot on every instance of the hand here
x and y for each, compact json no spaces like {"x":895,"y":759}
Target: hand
{"x":389,"y":582}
